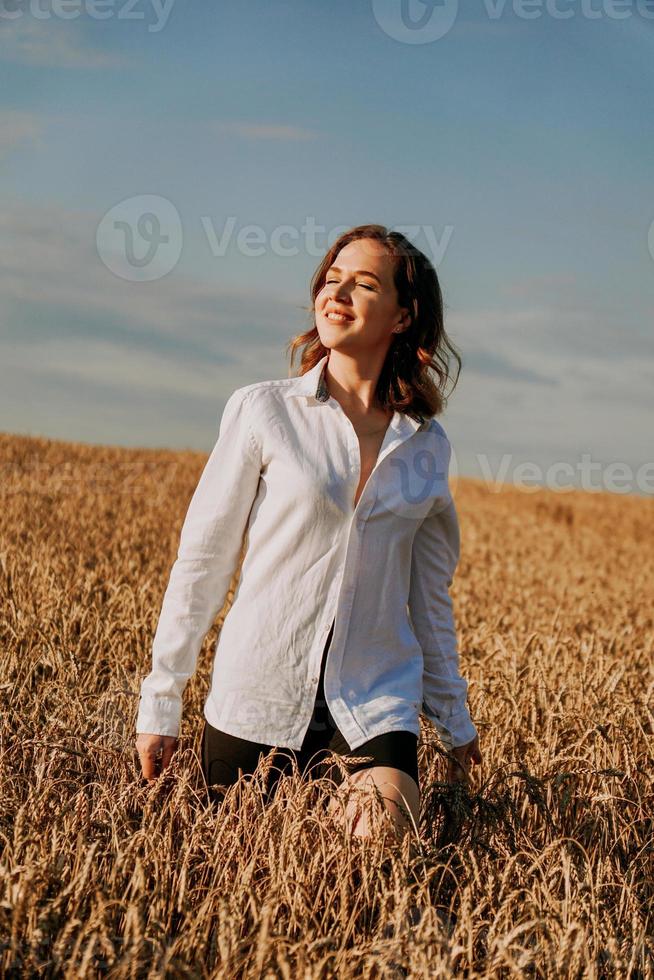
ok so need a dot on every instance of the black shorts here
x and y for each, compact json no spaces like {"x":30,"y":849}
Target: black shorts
{"x":225,"y":756}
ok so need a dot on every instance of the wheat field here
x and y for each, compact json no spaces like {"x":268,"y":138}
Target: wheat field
{"x":543,"y":868}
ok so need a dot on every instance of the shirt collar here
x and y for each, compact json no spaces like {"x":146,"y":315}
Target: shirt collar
{"x":312,"y":383}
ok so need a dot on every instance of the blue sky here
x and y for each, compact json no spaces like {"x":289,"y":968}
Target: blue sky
{"x":515,"y":151}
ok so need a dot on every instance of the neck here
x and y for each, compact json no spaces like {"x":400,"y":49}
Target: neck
{"x":352,"y":381}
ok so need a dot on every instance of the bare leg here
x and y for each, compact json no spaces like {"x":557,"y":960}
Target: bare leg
{"x":398,"y":790}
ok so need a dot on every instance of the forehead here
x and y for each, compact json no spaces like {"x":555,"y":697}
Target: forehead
{"x":366,"y":253}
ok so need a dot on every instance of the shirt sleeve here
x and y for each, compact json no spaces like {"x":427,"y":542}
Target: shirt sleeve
{"x":436,"y":549}
{"x":209,"y":548}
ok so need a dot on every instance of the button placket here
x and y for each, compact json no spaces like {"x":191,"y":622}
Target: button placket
{"x":346,"y":591}
{"x":323,"y":633}
{"x":394,"y":437}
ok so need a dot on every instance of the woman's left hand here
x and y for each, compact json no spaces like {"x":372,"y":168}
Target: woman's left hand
{"x":464,"y":756}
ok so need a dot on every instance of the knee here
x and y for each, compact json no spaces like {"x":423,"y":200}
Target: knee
{"x":396,"y":790}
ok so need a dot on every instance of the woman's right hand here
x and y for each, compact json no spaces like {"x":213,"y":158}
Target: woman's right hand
{"x":155,"y":753}
{"x":458,"y":767}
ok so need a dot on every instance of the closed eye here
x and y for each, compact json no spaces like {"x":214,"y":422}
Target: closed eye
{"x":365,"y":286}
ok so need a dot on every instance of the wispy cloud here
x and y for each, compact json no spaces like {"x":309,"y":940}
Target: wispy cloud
{"x":262,"y":131}
{"x":18,"y":128}
{"x":593,"y":374}
{"x":493,"y":364}
{"x":554,"y":339}
{"x":51,"y":44}
{"x":536,"y":377}
{"x":64,"y":310}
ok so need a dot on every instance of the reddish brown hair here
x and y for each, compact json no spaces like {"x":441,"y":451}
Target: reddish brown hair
{"x":405,"y":383}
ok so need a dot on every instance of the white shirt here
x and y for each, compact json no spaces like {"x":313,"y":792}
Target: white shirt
{"x":284,"y":472}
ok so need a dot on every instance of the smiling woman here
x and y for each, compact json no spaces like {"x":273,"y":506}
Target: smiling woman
{"x":323,"y":473}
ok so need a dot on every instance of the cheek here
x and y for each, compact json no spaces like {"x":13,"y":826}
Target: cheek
{"x":376,"y":311}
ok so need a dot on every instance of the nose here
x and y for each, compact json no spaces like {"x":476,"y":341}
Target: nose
{"x":341,"y":293}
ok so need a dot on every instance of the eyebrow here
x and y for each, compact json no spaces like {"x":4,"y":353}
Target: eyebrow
{"x":359,"y":272}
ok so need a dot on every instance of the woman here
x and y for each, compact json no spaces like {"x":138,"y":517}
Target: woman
{"x":341,"y":628}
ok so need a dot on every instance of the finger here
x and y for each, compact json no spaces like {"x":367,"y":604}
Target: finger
{"x":149,"y":763}
{"x":456,"y":774}
{"x":167,"y":755}
{"x":456,"y":777}
{"x":456,"y":766}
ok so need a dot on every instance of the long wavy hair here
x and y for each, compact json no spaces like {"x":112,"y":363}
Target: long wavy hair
{"x":405,"y":383}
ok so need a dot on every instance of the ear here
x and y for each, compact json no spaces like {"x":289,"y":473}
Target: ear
{"x":405,"y":318}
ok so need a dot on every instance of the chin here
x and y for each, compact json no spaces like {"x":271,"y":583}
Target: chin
{"x":331,"y":336}
{"x":334,"y":343}
{"x":328,"y":338}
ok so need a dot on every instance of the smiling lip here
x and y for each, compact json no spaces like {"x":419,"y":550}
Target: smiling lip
{"x":339,"y":313}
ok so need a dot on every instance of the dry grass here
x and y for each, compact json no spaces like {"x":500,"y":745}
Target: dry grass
{"x":546,"y":869}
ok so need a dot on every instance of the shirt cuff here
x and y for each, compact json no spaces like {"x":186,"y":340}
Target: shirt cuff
{"x":159,"y":716}
{"x":454,"y":731}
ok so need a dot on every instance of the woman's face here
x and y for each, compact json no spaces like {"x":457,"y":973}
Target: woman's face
{"x":359,"y":284}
